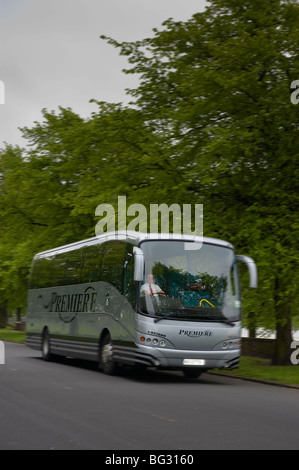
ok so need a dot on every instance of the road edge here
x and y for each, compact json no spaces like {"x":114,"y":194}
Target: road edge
{"x":250,"y":379}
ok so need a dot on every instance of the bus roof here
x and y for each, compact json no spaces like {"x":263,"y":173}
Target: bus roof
{"x":135,"y":238}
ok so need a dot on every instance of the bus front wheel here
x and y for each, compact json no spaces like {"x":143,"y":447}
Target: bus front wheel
{"x":46,"y":351}
{"x":106,"y":362}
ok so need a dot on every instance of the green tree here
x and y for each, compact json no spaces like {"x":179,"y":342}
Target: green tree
{"x":217,"y":87}
{"x":50,"y":190}
{"x":35,"y":204}
{"x":13,"y":233}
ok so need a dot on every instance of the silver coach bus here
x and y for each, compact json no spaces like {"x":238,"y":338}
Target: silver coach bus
{"x":128,"y":298}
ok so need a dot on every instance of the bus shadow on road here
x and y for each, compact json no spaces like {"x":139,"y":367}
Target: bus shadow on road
{"x":169,"y":377}
{"x":139,"y":374}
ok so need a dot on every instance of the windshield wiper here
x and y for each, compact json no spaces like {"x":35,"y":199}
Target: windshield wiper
{"x":208,"y":318}
{"x":168,"y":315}
{"x":219,"y":320}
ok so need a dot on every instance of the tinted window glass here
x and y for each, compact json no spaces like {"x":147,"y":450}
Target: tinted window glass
{"x":114,"y":256}
{"x":107,"y":262}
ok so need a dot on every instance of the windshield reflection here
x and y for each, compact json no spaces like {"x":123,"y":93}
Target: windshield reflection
{"x":199,"y":285}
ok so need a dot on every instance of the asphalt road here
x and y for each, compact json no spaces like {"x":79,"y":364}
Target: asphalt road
{"x":70,"y":405}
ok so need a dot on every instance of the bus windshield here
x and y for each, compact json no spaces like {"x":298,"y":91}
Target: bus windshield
{"x":196,"y":285}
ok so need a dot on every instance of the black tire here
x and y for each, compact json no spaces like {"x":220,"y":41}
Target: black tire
{"x":106,"y":361}
{"x":46,"y":347}
{"x":192,"y":373}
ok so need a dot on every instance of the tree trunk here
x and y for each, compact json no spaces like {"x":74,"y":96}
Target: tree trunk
{"x":3,"y":316}
{"x":18,"y":322}
{"x":252,"y":325}
{"x":282,"y":351}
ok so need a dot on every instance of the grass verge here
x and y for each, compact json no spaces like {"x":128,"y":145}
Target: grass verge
{"x":261,"y":369}
{"x":8,"y":334}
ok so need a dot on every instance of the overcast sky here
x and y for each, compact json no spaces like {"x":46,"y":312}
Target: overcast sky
{"x":51,"y":54}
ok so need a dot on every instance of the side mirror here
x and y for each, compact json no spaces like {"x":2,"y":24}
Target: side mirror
{"x":251,"y":268}
{"x":138,"y":264}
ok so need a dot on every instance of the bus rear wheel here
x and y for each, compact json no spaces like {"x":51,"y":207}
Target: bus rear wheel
{"x":106,"y":361}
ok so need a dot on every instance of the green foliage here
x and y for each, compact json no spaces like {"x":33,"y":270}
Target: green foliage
{"x":218,"y":88}
{"x":211,"y":122}
{"x":8,"y":334}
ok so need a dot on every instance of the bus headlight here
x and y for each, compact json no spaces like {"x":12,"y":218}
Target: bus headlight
{"x":152,"y":341}
{"x":228,"y":344}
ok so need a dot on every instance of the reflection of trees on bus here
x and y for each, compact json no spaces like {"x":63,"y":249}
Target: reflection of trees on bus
{"x":191,"y":288}
{"x":111,"y":262}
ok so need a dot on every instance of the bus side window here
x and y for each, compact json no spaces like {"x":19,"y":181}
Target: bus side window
{"x":129,"y":288}
{"x":113,"y":263}
{"x":69,"y":267}
{"x":91,"y":263}
{"x":41,"y":273}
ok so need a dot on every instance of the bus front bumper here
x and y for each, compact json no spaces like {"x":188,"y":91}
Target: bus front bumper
{"x":177,"y":358}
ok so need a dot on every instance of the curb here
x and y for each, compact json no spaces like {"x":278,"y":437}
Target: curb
{"x":248,"y":379}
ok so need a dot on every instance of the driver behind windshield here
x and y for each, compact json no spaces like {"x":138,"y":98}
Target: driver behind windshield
{"x":150,"y":288}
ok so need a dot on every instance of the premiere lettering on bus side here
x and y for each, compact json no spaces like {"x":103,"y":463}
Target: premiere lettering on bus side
{"x":78,"y":303}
